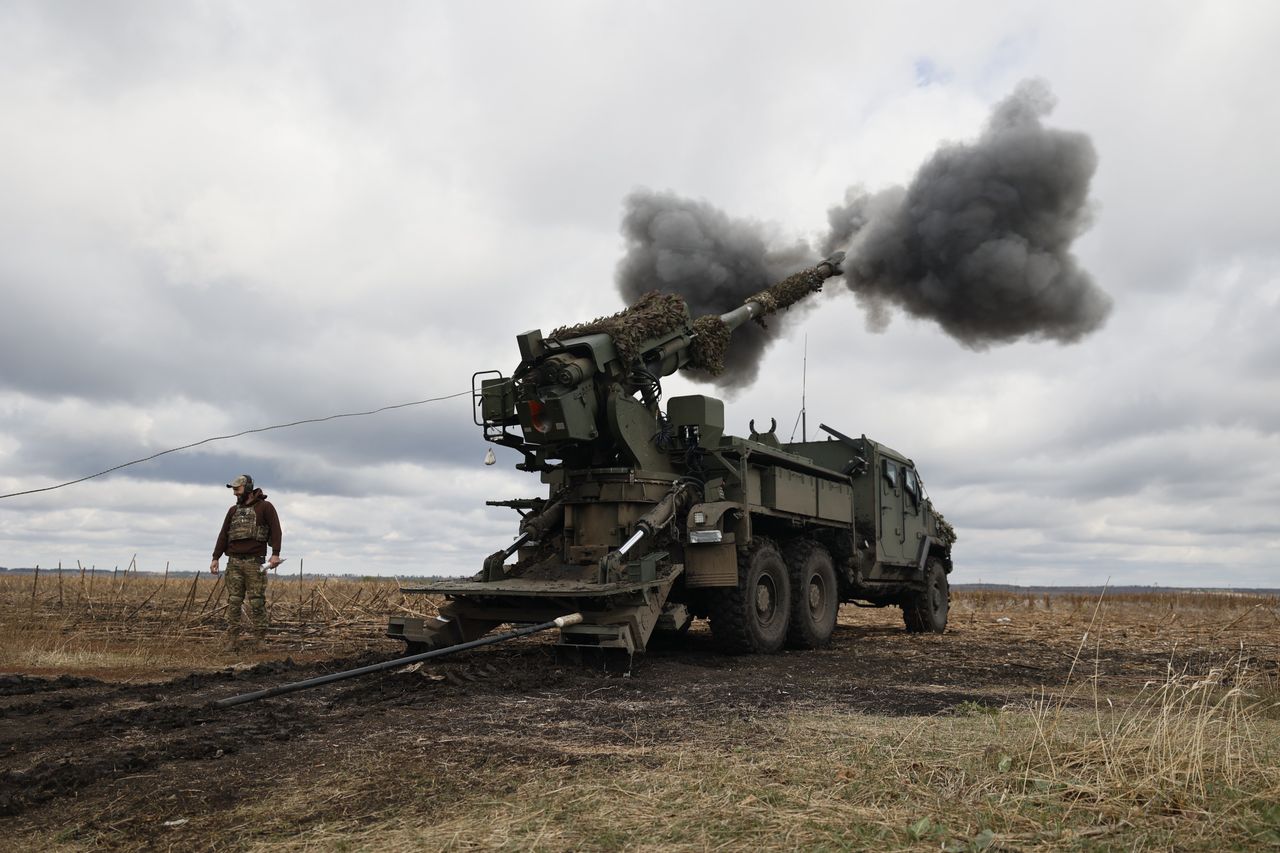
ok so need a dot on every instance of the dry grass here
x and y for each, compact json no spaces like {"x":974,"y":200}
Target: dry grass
{"x":125,"y":624}
{"x":1192,"y":766}
{"x":1192,"y":761}
{"x":1153,"y":603}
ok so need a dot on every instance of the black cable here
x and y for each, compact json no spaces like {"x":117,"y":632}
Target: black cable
{"x":648,"y":383}
{"x":235,"y":435}
{"x":695,"y":461}
{"x":664,"y":439}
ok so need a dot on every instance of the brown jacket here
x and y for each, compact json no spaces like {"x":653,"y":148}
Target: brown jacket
{"x":266,"y":521}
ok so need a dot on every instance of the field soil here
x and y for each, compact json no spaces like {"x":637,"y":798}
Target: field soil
{"x":136,"y":760}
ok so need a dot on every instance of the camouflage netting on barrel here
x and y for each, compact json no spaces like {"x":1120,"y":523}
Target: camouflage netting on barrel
{"x":654,"y":315}
{"x":710,"y":343}
{"x":789,"y":291}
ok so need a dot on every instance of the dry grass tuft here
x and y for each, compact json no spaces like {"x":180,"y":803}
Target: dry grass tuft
{"x":823,"y":780}
{"x":123,"y":625}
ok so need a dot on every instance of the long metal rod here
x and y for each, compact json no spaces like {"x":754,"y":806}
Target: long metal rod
{"x":630,"y":543}
{"x":559,"y":622}
{"x":516,"y":545}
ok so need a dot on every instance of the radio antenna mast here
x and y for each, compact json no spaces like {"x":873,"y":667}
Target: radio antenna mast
{"x":802,"y":419}
{"x":804,"y":381}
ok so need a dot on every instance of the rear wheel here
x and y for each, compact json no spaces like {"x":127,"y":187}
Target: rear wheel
{"x":752,"y":617}
{"x":814,"y":595}
{"x":926,"y":611}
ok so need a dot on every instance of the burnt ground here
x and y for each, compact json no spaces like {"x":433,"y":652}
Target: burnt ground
{"x":84,"y":759}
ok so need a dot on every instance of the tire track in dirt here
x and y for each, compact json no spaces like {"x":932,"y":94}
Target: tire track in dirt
{"x":92,"y":732}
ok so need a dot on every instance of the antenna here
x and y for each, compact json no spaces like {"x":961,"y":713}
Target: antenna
{"x":802,"y":419}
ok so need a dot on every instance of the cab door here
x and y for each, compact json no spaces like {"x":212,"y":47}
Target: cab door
{"x":913,"y":514}
{"x":893,"y":540}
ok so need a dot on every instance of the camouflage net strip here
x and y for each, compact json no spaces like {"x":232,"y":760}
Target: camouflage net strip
{"x":710,"y":343}
{"x":944,"y":527}
{"x":789,"y":291}
{"x":654,"y":315}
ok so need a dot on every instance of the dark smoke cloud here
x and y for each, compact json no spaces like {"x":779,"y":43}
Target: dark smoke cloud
{"x":980,"y":241}
{"x":688,"y":247}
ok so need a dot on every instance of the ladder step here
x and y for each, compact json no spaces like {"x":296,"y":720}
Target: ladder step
{"x":596,"y":636}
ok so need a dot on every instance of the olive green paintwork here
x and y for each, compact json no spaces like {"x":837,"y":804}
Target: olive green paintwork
{"x":649,"y":513}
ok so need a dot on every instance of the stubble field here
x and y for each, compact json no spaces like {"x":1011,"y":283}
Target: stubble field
{"x":1035,"y":723}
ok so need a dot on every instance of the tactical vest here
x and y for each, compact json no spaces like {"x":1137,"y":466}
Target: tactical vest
{"x":244,"y":525}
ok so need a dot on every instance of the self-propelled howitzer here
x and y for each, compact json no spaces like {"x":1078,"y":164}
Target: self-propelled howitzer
{"x":654,"y":517}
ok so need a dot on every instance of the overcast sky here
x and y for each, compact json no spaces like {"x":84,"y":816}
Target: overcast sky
{"x":222,"y":216}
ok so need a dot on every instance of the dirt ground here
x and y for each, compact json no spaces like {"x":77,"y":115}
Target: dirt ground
{"x":153,"y":764}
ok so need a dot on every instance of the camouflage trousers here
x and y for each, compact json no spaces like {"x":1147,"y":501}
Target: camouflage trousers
{"x":246,"y":578}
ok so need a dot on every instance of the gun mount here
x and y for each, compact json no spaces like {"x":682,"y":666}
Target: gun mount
{"x":574,"y":393}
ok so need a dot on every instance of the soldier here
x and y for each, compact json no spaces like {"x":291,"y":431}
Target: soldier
{"x":250,"y":526}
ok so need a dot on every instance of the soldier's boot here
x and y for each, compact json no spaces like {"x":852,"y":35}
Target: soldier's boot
{"x":231,"y":639}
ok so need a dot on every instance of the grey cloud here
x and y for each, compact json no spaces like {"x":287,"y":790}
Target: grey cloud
{"x":436,"y":438}
{"x":1173,"y":463}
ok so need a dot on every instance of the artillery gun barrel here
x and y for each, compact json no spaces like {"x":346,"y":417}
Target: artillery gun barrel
{"x":785,"y":293}
{"x":744,"y":312}
{"x":278,"y":690}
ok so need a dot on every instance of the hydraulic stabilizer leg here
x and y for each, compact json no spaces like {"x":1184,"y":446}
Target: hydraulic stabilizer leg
{"x":612,"y":565}
{"x":533,"y":529}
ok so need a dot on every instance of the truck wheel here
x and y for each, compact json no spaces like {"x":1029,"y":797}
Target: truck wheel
{"x":752,"y":617}
{"x":926,"y":611}
{"x":814,"y":595}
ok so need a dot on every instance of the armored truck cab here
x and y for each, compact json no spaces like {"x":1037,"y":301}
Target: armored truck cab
{"x":902,"y":545}
{"x":848,"y":518}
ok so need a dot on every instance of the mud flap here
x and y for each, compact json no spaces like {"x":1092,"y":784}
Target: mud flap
{"x":925,"y":544}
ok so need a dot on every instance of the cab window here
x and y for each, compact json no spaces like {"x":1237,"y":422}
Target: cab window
{"x":891,"y":473}
{"x":911,"y":484}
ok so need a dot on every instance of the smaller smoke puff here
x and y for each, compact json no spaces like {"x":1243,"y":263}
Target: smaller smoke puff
{"x":678,"y":245}
{"x":980,"y":240}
